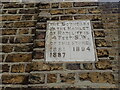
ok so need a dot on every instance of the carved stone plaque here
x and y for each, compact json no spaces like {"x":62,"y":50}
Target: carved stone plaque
{"x":69,"y":41}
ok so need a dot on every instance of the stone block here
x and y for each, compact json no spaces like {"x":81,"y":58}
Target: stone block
{"x":56,"y":12}
{"x":74,"y":66}
{"x":51,"y":78}
{"x":66,"y":4}
{"x":67,"y":78}
{"x":18,"y":68}
{"x":103,"y":64}
{"x":14,"y":79}
{"x":37,"y":78}
{"x":7,"y":48}
{"x":19,"y":58}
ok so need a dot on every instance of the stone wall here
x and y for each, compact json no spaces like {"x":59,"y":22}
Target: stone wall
{"x":23,"y":45}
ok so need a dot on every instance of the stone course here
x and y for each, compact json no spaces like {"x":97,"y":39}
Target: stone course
{"x":23,"y":34}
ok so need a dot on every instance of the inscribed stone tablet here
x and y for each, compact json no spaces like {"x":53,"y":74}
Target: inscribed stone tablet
{"x":69,"y":41}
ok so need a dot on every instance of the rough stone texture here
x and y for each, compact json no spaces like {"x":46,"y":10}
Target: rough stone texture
{"x":103,"y":64}
{"x":83,"y":76}
{"x":51,"y":78}
{"x":67,"y":77}
{"x":99,"y":34}
{"x":102,"y":53}
{"x":88,"y":66}
{"x":56,"y":12}
{"x":36,"y":66}
{"x":23,"y":38}
{"x":14,"y":79}
{"x":75,"y":66}
{"x":101,"y":77}
{"x":19,"y":58}
{"x":7,"y":48}
{"x":18,"y":68}
{"x":5,"y":68}
{"x":97,"y":77}
{"x":37,"y":78}
{"x":9,"y":31}
{"x":40,"y":66}
{"x":65,"y":4}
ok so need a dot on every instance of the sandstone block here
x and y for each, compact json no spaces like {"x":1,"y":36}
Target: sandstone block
{"x":51,"y":78}
{"x":37,"y":78}
{"x":103,"y":64}
{"x":68,"y":77}
{"x":14,"y":79}
{"x":19,"y":58}
{"x":18,"y":68}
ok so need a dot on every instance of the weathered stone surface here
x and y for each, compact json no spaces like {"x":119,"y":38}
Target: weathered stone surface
{"x":23,"y":24}
{"x":101,"y":43}
{"x":40,"y":44}
{"x":94,"y":11}
{"x":98,"y":25}
{"x":105,"y":77}
{"x":109,"y":77}
{"x":43,"y":5}
{"x":40,"y":35}
{"x":5,"y":68}
{"x":68,"y":77}
{"x":39,"y":54}
{"x":14,"y":79}
{"x":75,"y":66}
{"x":90,"y":17}
{"x":85,"y":4}
{"x":37,"y":78}
{"x":19,"y":24}
{"x":96,"y":77}
{"x":99,"y":34}
{"x":66,"y":18}
{"x":18,"y":68}
{"x":28,"y":67}
{"x":40,"y":66}
{"x":41,"y":26}
{"x":23,"y":31}
{"x":70,"y":11}
{"x":8,"y":25}
{"x":88,"y":66}
{"x":9,"y":31}
{"x":43,"y":19}
{"x":82,"y":11}
{"x":66,"y":4}
{"x":2,"y":56}
{"x":27,"y":11}
{"x":19,"y":58}
{"x":13,"y":5}
{"x":56,"y":66}
{"x":51,"y":78}
{"x":27,"y":17}
{"x":11,"y":18}
{"x":24,"y":39}
{"x":29,"y":5}
{"x":12,"y":11}
{"x":5,"y":39}
{"x":55,"y":5}
{"x":102,"y":53}
{"x":23,"y":48}
{"x":83,"y":76}
{"x":55,"y":18}
{"x":56,"y":12}
{"x":7,"y":48}
{"x":103,"y":64}
{"x":11,"y":39}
